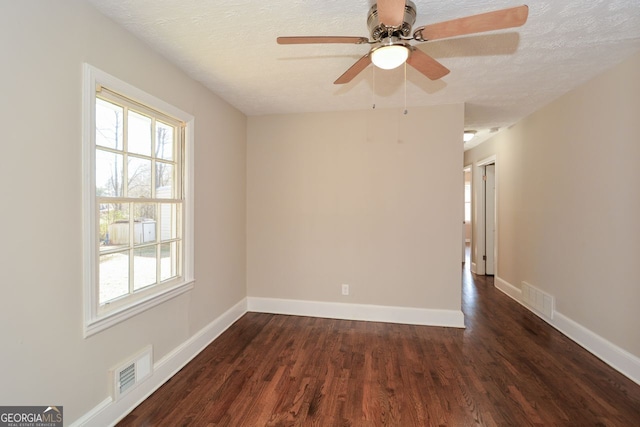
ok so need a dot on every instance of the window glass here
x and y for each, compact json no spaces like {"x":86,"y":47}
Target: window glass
{"x":114,"y":226}
{"x":139,"y":134}
{"x":164,"y":141}
{"x":164,"y":180}
{"x":114,"y":276}
{"x":467,"y":202}
{"x":109,"y":124}
{"x":168,"y":221}
{"x":109,"y":174}
{"x":168,"y":260}
{"x":138,"y":177}
{"x":144,"y":267}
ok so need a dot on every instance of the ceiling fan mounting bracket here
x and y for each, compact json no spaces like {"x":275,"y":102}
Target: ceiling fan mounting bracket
{"x":379,"y":31}
{"x":417,"y":36}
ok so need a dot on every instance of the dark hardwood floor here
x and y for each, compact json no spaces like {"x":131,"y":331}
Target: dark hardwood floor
{"x":507,"y":368}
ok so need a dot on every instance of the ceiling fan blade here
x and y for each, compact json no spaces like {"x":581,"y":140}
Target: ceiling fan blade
{"x":391,"y":12}
{"x":354,"y":70}
{"x":321,"y":39}
{"x":427,"y":65}
{"x":496,"y":20}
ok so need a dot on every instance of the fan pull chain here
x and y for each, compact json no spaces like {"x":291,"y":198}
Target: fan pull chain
{"x":373,"y":83}
{"x":405,"y":88}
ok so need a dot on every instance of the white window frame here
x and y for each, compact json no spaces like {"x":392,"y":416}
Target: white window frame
{"x":95,"y":318}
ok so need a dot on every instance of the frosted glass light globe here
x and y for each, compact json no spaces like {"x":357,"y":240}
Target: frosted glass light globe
{"x":389,"y":57}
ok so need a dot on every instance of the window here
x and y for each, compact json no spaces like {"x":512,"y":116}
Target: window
{"x":138,"y":201}
{"x":467,"y":202}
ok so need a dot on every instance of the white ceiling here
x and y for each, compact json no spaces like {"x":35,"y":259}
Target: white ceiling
{"x":502,"y":76}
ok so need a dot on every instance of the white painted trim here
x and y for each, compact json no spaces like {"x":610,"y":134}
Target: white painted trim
{"x":88,"y":418}
{"x":508,"y":289}
{"x":477,"y":219}
{"x":478,"y":213}
{"x":619,"y":359}
{"x":109,"y":412}
{"x":496,"y":217}
{"x":366,"y":312}
{"x":474,"y":268}
{"x":487,"y":160}
{"x":110,"y":319}
{"x":616,"y":357}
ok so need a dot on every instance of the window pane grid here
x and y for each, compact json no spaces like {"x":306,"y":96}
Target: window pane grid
{"x":138,"y":173}
{"x":150,"y":256}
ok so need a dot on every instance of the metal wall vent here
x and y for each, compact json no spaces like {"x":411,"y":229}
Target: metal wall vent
{"x":126,"y":378}
{"x":131,"y":372}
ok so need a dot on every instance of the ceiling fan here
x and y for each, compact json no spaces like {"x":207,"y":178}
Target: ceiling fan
{"x":390,"y":22}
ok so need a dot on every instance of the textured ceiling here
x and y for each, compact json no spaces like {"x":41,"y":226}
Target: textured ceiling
{"x":502,"y":76}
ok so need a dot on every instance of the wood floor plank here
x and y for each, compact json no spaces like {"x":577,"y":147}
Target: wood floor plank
{"x":507,"y":368}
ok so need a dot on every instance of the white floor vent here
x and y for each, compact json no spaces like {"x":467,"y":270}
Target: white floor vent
{"x":133,"y":371}
{"x":538,"y":300}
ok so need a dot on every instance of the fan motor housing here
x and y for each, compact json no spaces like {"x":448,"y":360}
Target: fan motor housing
{"x":378,"y":31}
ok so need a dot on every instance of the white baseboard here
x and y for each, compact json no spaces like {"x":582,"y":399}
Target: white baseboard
{"x":88,"y":418}
{"x":616,"y":357}
{"x":372,"y":313}
{"x":109,"y":412}
{"x":474,"y":268}
{"x":508,"y":289}
{"x":619,"y":359}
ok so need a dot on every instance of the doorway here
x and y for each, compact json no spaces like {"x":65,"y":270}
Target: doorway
{"x":489,"y":181}
{"x":485,"y":246}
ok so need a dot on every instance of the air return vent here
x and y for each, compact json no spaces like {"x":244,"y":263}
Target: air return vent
{"x":133,"y":371}
{"x":540,"y":301}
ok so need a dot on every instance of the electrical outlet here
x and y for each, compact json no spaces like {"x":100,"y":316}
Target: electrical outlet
{"x":345,"y":289}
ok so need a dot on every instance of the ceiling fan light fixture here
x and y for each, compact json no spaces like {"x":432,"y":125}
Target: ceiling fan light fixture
{"x":468,"y":135}
{"x":390,"y":28}
{"x":390,"y":56}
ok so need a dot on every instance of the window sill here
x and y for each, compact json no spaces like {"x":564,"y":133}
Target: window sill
{"x":107,"y":320}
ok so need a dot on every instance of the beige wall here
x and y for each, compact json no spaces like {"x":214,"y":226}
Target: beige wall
{"x":368,"y":198}
{"x":569,"y":203}
{"x":44,"y":359}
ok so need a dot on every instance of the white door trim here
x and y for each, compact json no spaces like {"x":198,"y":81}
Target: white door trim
{"x":478,"y":216}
